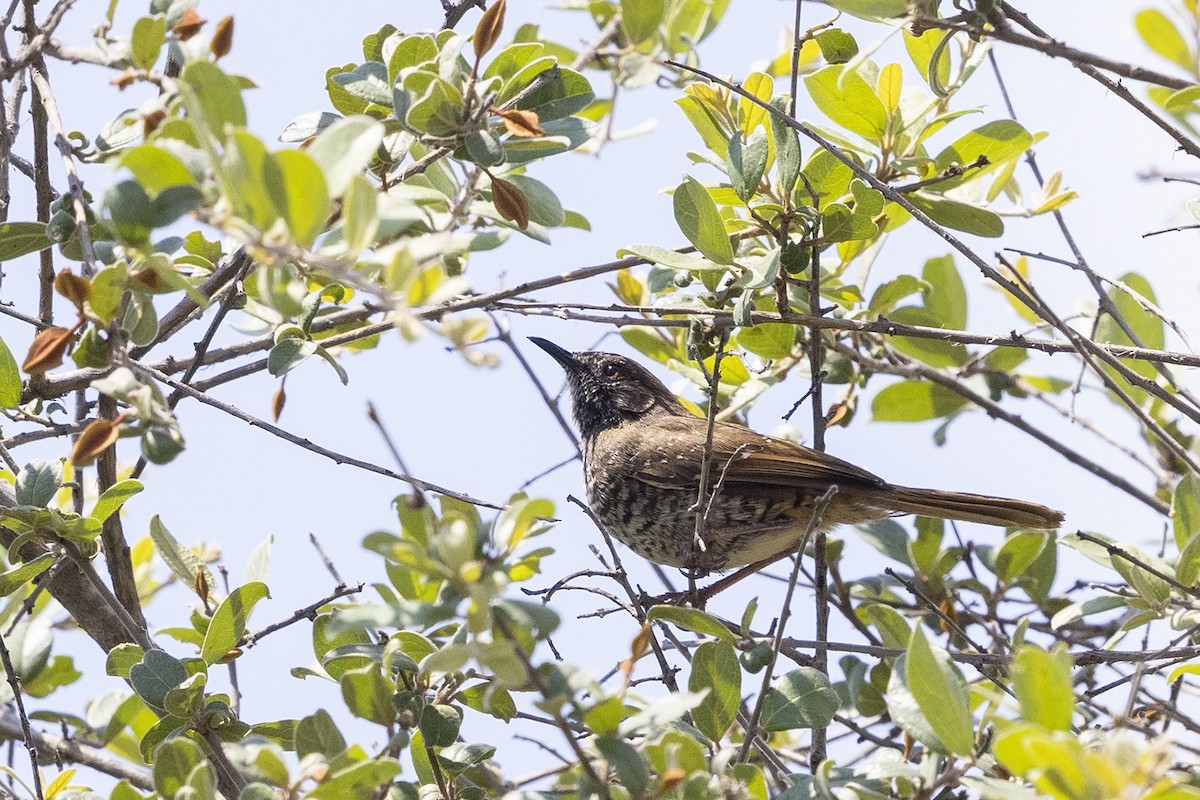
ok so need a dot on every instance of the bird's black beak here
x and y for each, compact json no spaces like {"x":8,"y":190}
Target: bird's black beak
{"x":565,"y":358}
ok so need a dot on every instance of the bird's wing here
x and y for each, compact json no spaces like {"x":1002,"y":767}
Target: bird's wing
{"x":740,"y":457}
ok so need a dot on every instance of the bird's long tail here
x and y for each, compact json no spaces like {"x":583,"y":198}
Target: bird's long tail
{"x":970,"y":508}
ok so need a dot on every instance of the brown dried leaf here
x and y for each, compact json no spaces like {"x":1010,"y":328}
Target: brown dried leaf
{"x":151,"y":120}
{"x":47,"y":350}
{"x":838,"y":414}
{"x":277,"y":401}
{"x":222,"y":41}
{"x":148,"y":278}
{"x":521,"y":123}
{"x":510,"y":202}
{"x":232,"y":655}
{"x":639,"y":647}
{"x":75,"y":288}
{"x":97,"y":437}
{"x":125,"y":79}
{"x":200,"y":586}
{"x":188,"y":26}
{"x":488,"y":29}
{"x":671,"y":778}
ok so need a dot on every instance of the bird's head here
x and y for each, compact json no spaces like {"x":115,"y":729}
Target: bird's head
{"x":608,"y":389}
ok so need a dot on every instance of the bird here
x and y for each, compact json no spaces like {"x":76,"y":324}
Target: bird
{"x":643,"y":455}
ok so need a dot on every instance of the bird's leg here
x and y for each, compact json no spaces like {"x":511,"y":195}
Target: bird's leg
{"x":716,"y":587}
{"x":708,"y":592}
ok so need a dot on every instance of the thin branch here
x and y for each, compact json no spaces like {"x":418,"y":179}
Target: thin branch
{"x":785,"y":613}
{"x":75,"y":751}
{"x":309,"y":612}
{"x":275,"y":430}
{"x":1042,"y":43}
{"x":565,"y":310}
{"x":14,"y":682}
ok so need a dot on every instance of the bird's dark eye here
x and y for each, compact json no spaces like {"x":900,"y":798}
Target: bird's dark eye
{"x":611,"y":370}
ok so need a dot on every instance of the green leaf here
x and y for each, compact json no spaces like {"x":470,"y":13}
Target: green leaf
{"x":259,"y":561}
{"x":19,"y":576}
{"x":935,"y":352}
{"x":488,"y":698}
{"x":217,"y":96}
{"x":440,"y":724}
{"x":134,"y":215}
{"x":544,"y":206}
{"x":122,"y":658}
{"x":670,"y":258}
{"x":1187,"y":570}
{"x":155,"y":675}
{"x":228,"y":623}
{"x":827,"y":175}
{"x":362,"y":779}
{"x":243,"y":162}
{"x":114,"y":497}
{"x":787,"y":149}
{"x":461,"y":756}
{"x":959,"y":216}
{"x":841,"y":224}
{"x":747,"y":162}
{"x":1018,"y":554}
{"x":871,"y":9}
{"x":155,"y":168}
{"x":698,"y":218}
{"x":770,"y":340}
{"x":751,"y":114}
{"x":948,"y":298}
{"x":921,"y":50}
{"x":415,"y":50}
{"x":915,"y":401}
{"x":367,"y":82}
{"x":360,"y":214}
{"x":561,"y":135}
{"x":846,"y":98}
{"x":10,"y":378}
{"x":368,"y":695}
{"x":803,"y":698}
{"x":1161,"y":36}
{"x":1153,"y":589}
{"x":22,"y":238}
{"x":438,"y":111}
{"x":692,"y":619}
{"x":307,"y":126}
{"x":288,"y":354}
{"x":182,"y":561}
{"x":484,"y":148}
{"x":298,"y":190}
{"x":38,"y":482}
{"x":836,"y":45}
{"x":892,"y":627}
{"x":319,"y":734}
{"x":885,"y":298}
{"x":58,"y":673}
{"x":187,"y":699}
{"x":641,"y":18}
{"x":998,"y":141}
{"x":559,"y":97}
{"x":941,"y":693}
{"x":149,"y":34}
{"x":627,"y":760}
{"x":344,"y":149}
{"x":1147,"y":326}
{"x":715,"y":667}
{"x":1042,"y":681}
{"x":173,"y":764}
